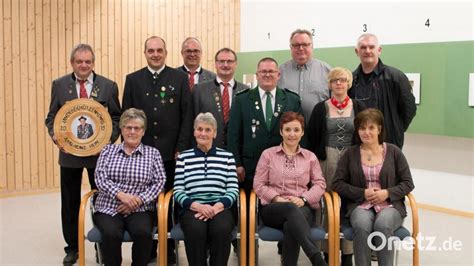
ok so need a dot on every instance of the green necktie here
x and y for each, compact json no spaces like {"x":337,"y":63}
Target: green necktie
{"x":268,"y":110}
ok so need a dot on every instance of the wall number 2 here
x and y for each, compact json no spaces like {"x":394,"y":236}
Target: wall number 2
{"x":364,"y":28}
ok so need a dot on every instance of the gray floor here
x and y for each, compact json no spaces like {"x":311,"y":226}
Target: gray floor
{"x":30,"y":234}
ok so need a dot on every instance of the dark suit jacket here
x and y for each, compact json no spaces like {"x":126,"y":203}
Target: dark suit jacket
{"x":167,"y":105}
{"x":204,"y":75}
{"x":207,"y":98}
{"x":349,"y":179}
{"x":64,"y":89}
{"x":247,"y":112}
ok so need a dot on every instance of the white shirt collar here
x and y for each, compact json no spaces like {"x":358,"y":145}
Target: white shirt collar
{"x":152,"y":71}
{"x":262,"y":92}
{"x":231,"y":82}
{"x":198,"y":70}
{"x":89,"y":79}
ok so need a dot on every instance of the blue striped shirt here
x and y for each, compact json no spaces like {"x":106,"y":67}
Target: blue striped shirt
{"x":142,"y":173}
{"x":206,"y":178}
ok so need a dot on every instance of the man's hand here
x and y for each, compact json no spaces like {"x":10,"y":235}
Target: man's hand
{"x":240,"y":173}
{"x":55,"y":140}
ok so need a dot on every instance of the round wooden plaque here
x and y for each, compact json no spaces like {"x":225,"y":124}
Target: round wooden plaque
{"x":82,"y":127}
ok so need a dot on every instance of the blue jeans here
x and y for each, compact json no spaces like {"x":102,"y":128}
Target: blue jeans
{"x":364,"y":222}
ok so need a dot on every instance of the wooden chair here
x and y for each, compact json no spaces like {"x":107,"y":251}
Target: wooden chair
{"x":176,"y":233}
{"x":257,"y":230}
{"x":345,"y":231}
{"x":94,"y":235}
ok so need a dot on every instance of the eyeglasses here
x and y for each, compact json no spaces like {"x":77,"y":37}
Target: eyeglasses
{"x":300,"y":45}
{"x":189,"y":51}
{"x":223,"y":62}
{"x":336,"y":80}
{"x":130,"y":128}
{"x":269,"y":72}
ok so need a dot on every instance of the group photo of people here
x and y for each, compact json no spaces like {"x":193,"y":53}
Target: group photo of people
{"x":307,"y":128}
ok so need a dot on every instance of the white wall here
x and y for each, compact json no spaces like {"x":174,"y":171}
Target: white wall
{"x":267,"y":25}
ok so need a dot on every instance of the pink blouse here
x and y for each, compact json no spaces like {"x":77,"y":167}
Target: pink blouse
{"x":373,"y":181}
{"x":280,"y":175}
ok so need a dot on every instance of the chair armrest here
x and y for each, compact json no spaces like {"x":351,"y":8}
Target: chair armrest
{"x":331,"y":227}
{"x":163,"y":227}
{"x":415,"y":227}
{"x":337,"y":226}
{"x":81,"y":233}
{"x":252,"y":226}
{"x":243,"y":227}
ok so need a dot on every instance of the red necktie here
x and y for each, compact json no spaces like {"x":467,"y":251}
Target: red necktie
{"x":191,"y":79}
{"x":82,"y":89}
{"x":225,"y":102}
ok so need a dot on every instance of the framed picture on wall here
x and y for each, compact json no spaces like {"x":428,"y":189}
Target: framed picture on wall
{"x":250,"y":80}
{"x":414,"y":79}
{"x":471,"y":89}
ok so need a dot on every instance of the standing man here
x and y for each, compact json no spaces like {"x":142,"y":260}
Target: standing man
{"x":163,"y":94}
{"x":82,"y":83}
{"x":383,"y":87}
{"x":303,"y":74}
{"x":216,"y":96}
{"x":191,"y":52}
{"x":254,"y":120}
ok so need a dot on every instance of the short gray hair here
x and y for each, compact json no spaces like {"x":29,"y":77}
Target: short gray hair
{"x":82,"y":47}
{"x":367,"y":35}
{"x":206,"y":118}
{"x":301,"y":31}
{"x":132,"y":114}
{"x":185,"y":42}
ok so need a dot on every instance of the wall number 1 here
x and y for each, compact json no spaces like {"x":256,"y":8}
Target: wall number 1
{"x":269,"y":35}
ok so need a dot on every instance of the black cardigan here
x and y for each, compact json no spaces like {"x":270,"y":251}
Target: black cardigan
{"x":317,"y":128}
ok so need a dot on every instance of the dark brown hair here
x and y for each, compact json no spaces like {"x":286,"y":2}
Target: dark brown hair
{"x":370,"y":115}
{"x":291,"y":116}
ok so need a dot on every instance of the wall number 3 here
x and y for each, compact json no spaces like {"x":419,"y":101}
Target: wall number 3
{"x":364,"y":28}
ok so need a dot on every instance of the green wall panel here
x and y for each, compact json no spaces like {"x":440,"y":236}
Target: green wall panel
{"x":444,"y":70}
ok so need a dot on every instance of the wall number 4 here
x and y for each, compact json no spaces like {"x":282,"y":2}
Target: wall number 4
{"x":427,"y":23}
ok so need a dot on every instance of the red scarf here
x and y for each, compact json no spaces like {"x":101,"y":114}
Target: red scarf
{"x":341,"y":105}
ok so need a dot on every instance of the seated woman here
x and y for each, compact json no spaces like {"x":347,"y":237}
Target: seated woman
{"x":289,"y":184}
{"x":129,"y":177}
{"x":373,"y":178}
{"x":206,"y":187}
{"x":330,"y":132}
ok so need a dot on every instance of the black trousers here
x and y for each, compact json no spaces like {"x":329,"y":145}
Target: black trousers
{"x":71,"y":181}
{"x":139,"y":225}
{"x":295,"y":223}
{"x":215,"y":234}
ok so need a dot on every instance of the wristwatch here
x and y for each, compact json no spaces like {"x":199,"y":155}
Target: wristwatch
{"x":304,"y":200}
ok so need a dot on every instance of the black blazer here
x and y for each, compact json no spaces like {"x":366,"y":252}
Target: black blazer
{"x":166,"y":102}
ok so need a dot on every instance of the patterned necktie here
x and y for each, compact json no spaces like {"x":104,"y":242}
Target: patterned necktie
{"x":82,"y":89}
{"x":268,"y":109}
{"x":191,"y":79}
{"x":225,"y":101}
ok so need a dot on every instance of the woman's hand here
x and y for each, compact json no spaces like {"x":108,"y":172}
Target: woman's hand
{"x":130,"y":201}
{"x":376,"y":195}
{"x":204,"y":212}
{"x":297,"y":201}
{"x":279,"y":199}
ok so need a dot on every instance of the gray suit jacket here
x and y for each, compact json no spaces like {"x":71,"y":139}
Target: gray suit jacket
{"x":206,"y":97}
{"x":63,"y":89}
{"x":204,"y":74}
